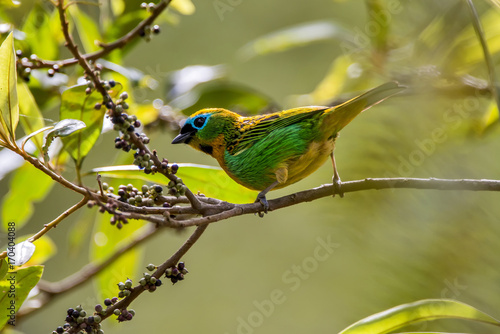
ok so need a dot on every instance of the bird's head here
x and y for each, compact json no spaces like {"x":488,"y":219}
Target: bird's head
{"x":207,"y":129}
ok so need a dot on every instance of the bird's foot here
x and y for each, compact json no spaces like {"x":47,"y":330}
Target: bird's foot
{"x":262,"y":199}
{"x":337,"y":186}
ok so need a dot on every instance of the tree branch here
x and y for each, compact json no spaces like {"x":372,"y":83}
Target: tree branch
{"x":107,"y":48}
{"x":225,"y":210}
{"x":53,"y":289}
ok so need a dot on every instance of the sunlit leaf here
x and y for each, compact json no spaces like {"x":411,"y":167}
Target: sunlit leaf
{"x":295,"y":36}
{"x":39,"y":35}
{"x":235,"y":97}
{"x":23,"y":280}
{"x":106,"y":239}
{"x":31,"y":118}
{"x":185,"y":7}
{"x":27,"y":186}
{"x":76,"y":104}
{"x":210,"y":181}
{"x":87,"y":29}
{"x":9,"y":106}
{"x":423,"y":310}
{"x":4,"y":268}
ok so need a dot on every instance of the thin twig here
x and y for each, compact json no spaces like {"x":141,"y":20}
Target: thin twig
{"x":53,"y":289}
{"x":172,"y":261}
{"x":106,"y":48}
{"x":52,"y":224}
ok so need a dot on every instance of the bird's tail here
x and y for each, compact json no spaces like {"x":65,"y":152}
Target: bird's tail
{"x":341,"y":115}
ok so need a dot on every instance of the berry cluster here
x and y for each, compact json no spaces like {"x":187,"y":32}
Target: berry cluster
{"x":176,"y":188}
{"x":23,"y":63}
{"x":77,"y":318}
{"x":176,"y":273}
{"x":148,"y":30}
{"x":150,"y":282}
{"x":125,"y":288}
{"x":123,"y":314}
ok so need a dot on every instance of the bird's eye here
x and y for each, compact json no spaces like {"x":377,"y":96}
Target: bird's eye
{"x":198,"y":122}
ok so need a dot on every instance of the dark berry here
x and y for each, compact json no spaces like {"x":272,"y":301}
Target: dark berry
{"x":158,"y":189}
{"x":137,"y":124}
{"x":158,"y":282}
{"x":181,"y":266}
{"x":142,"y":33}
{"x":175,"y":168}
{"x":112,"y":83}
{"x":156,"y":29}
{"x":131,"y":128}
{"x":60,"y":330}
{"x":107,"y":302}
{"x":51,"y":72}
{"x":76,"y":314}
{"x":98,"y":308}
{"x":97,"y":106}
{"x":70,"y":311}
{"x":109,"y":104}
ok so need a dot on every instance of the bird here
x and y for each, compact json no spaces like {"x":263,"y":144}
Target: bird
{"x":271,"y":151}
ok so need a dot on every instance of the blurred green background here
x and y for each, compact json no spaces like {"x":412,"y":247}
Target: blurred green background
{"x":391,"y":246}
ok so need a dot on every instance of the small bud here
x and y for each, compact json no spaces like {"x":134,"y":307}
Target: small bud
{"x":116,"y":311}
{"x":151,"y":267}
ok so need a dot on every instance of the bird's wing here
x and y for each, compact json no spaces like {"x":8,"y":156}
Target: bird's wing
{"x":252,"y":129}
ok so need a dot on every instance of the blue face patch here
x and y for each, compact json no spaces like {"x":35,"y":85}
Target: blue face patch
{"x":198,"y":122}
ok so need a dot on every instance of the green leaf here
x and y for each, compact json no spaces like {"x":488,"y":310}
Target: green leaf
{"x":77,"y":105}
{"x":87,"y":29}
{"x":11,"y":299}
{"x":235,"y":97}
{"x":423,"y":310}
{"x":27,"y":186}
{"x":106,"y":239}
{"x":4,"y":268}
{"x":31,"y":118}
{"x":9,"y":106}
{"x":378,"y":13}
{"x":295,"y":36}
{"x":37,"y":28}
{"x":210,"y":181}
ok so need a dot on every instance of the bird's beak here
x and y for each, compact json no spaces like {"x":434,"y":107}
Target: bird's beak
{"x":183,"y":137}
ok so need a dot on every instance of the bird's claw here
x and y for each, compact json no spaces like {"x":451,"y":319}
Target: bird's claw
{"x":337,"y":187}
{"x":262,"y":200}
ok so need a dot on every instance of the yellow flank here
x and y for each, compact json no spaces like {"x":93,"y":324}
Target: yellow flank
{"x":313,"y":158}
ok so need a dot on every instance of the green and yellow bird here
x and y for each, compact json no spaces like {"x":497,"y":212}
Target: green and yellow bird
{"x":272,"y":151}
